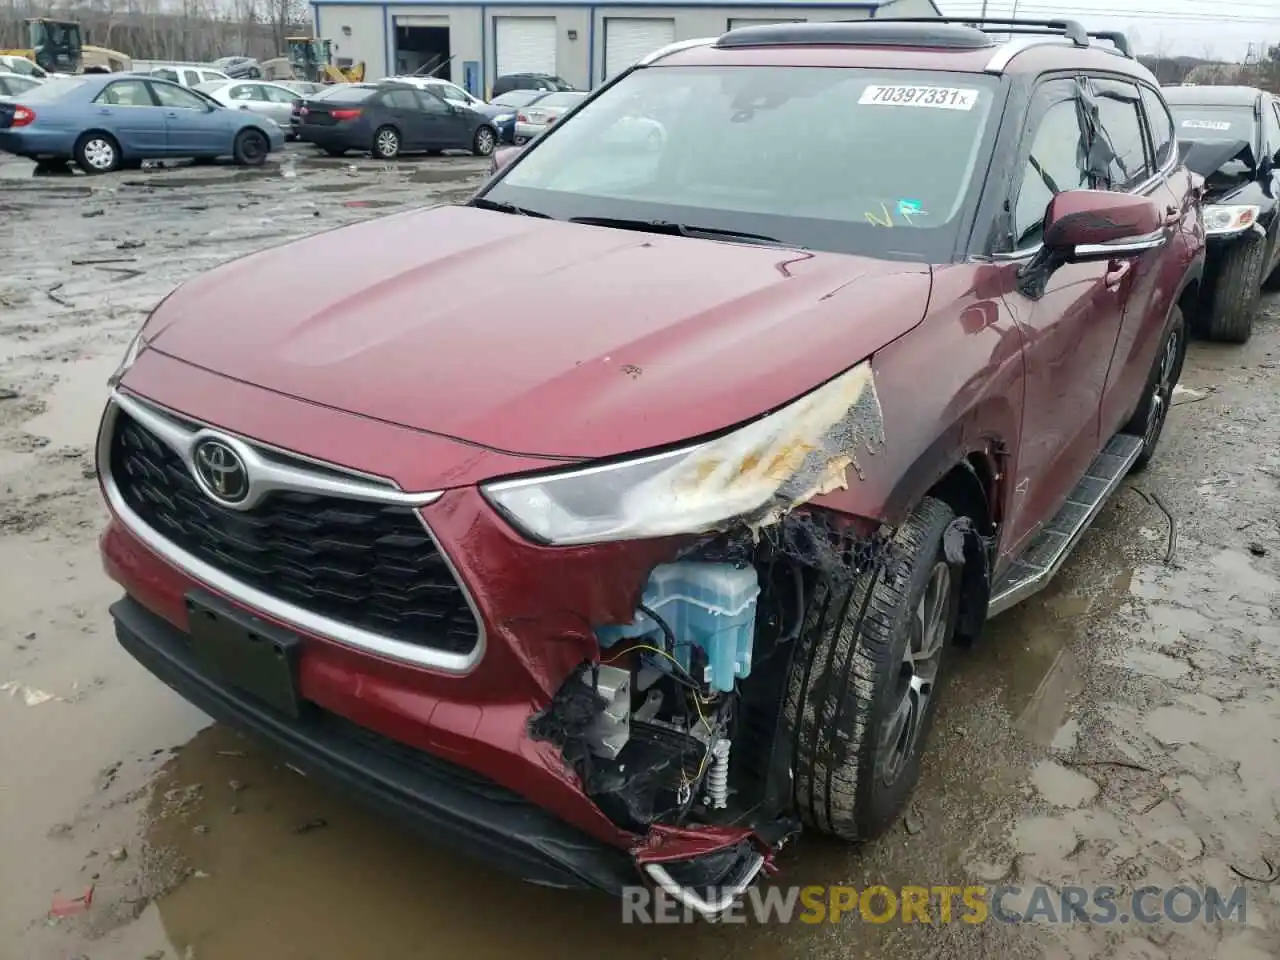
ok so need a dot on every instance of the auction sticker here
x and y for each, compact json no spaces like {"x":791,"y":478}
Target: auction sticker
{"x":939,"y":98}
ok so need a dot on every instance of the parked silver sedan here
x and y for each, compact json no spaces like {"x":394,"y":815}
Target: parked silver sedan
{"x":269,"y":99}
{"x":545,"y":111}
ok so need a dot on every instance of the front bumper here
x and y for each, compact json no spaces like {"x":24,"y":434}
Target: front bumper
{"x":446,"y":802}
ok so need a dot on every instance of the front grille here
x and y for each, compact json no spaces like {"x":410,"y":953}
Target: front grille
{"x":369,"y":565}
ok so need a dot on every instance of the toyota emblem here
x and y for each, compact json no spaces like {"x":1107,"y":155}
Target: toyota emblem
{"x":221,"y":471}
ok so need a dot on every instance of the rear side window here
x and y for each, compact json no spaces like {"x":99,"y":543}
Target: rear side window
{"x":1054,"y":164}
{"x":1163,"y":141}
{"x":192,"y":77}
{"x":400,"y":100}
{"x":1119,"y":146}
{"x":165,"y":74}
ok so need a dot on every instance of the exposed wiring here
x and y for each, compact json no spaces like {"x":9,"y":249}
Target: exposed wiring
{"x":661,"y":621}
{"x":687,"y":679}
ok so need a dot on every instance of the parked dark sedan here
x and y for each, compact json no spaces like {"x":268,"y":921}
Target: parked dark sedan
{"x":389,"y":119}
{"x":1231,"y":137}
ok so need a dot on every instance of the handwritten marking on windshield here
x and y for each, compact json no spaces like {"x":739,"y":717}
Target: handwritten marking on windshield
{"x":908,"y":210}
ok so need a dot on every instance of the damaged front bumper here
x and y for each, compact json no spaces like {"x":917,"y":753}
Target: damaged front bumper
{"x":447,"y":803}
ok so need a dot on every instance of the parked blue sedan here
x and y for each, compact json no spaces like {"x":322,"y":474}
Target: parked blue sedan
{"x":107,"y":121}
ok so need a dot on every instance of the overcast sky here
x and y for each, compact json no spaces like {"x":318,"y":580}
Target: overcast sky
{"x":1217,"y":28}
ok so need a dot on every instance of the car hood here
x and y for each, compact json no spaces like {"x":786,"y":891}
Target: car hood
{"x":538,"y":336}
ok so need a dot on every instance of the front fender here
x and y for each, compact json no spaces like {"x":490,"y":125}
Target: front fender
{"x":950,"y":387}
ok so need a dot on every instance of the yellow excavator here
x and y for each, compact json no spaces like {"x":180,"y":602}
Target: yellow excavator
{"x":52,"y":45}
{"x":312,"y":59}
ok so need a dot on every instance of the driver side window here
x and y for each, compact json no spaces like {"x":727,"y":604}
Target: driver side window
{"x":177,"y":98}
{"x":1055,"y":163}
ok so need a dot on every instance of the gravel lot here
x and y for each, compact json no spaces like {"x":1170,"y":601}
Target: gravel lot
{"x":1121,"y":728}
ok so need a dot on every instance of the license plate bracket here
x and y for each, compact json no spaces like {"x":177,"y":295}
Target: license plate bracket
{"x":246,"y":652}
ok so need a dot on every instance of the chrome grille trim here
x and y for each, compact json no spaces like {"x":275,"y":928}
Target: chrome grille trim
{"x":287,"y":471}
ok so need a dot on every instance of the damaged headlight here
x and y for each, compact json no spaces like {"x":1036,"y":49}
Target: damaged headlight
{"x":1224,"y":219}
{"x":131,"y":354}
{"x":756,"y":472}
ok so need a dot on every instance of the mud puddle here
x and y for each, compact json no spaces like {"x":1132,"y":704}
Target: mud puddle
{"x":1119,"y":728}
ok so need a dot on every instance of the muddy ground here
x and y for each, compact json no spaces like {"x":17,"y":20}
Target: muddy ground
{"x":1122,"y":728}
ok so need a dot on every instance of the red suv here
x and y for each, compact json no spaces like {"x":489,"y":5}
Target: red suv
{"x":833,"y":338}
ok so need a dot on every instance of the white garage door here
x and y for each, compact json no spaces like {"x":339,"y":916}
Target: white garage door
{"x":525,"y":45}
{"x":736,"y":22}
{"x":627,"y":39}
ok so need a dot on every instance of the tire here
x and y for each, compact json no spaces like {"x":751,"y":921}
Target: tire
{"x":484,"y":142}
{"x":386,"y":143}
{"x":850,"y":677}
{"x":335,"y":151}
{"x":1236,"y":292}
{"x":1153,"y":410}
{"x":250,"y":148}
{"x":97,"y":152}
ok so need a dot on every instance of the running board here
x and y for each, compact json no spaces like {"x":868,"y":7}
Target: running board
{"x":1046,"y":554}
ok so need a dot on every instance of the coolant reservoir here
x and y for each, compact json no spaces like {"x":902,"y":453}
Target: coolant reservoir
{"x":709,"y":605}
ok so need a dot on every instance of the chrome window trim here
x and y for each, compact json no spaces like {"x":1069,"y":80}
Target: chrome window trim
{"x":360,"y":487}
{"x":669,"y":49}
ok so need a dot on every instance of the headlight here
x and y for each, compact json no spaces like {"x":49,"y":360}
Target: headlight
{"x":131,"y":354}
{"x":502,"y":119}
{"x":774,"y":463}
{"x":1223,"y":219}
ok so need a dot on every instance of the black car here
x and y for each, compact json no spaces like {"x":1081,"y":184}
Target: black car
{"x":528,"y":81}
{"x":388,"y":119}
{"x":1231,"y":137}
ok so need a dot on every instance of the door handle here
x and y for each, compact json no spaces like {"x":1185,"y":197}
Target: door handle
{"x":105,"y":112}
{"x":171,"y":113}
{"x":1117,"y":270}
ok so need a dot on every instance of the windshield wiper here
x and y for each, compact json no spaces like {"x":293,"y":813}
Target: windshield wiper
{"x":678,"y":229}
{"x":486,"y":204}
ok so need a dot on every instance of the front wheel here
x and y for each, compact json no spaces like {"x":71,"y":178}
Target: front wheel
{"x":1237,"y":292}
{"x":865,"y":679}
{"x":251,"y":148}
{"x":386,"y":143}
{"x":484,"y":142}
{"x":1149,"y":419}
{"x":97,"y":153}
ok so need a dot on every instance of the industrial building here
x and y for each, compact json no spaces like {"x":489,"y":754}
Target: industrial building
{"x":583,"y":41}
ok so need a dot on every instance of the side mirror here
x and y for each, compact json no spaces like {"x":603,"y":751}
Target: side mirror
{"x":1086,"y":225}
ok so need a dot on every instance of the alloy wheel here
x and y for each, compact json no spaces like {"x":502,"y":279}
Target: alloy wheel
{"x":388,"y":143}
{"x":927,"y":633}
{"x":484,"y":141}
{"x":1162,"y":391}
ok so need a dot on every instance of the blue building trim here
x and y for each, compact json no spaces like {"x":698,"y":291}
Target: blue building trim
{"x":591,"y":50}
{"x":389,"y":41}
{"x":485,"y":85}
{"x":315,"y":18}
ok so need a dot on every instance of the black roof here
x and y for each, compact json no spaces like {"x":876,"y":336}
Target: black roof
{"x":1212,"y":96}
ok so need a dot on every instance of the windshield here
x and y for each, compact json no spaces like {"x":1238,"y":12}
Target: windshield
{"x":561,"y":101}
{"x":1214,"y":123}
{"x":877,"y":162}
{"x":516,"y":98}
{"x":345,"y":93}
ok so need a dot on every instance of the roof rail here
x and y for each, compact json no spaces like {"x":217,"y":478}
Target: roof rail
{"x":1071,"y":30}
{"x":671,"y":48}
